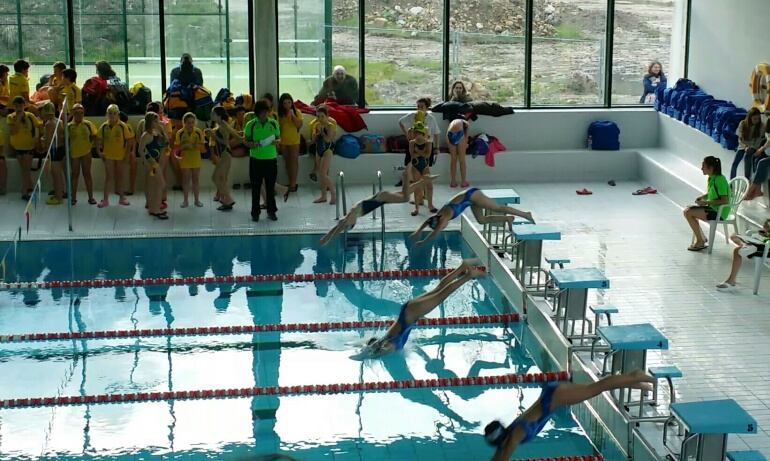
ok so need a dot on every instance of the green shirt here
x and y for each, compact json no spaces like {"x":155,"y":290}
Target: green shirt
{"x":717,"y":188}
{"x":255,"y":131}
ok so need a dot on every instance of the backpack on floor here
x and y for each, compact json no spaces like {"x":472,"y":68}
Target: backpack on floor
{"x":722,"y":116}
{"x":117,"y":93}
{"x":140,"y":97}
{"x":94,"y":91}
{"x":348,"y":146}
{"x":659,"y":97}
{"x":729,"y":139}
{"x":692,"y":104}
{"x":203,"y":103}
{"x":604,"y":135}
{"x":373,"y":144}
{"x":398,"y":144}
{"x":708,"y":114}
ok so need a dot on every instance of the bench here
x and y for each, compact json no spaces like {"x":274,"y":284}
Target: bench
{"x":748,"y":455}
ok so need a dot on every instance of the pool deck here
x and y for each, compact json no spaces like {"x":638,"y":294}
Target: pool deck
{"x":720,"y":340}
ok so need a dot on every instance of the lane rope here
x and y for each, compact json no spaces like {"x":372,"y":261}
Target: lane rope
{"x":308,"y":389}
{"x":102,"y":283}
{"x":241,"y":329}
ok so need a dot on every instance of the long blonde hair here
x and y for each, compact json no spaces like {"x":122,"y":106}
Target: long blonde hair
{"x":748,"y":130}
{"x":149,"y":119}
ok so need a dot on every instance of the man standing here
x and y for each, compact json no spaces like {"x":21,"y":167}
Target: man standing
{"x":341,"y":87}
{"x":262,"y":135}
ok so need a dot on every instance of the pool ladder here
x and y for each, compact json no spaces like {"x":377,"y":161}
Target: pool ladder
{"x":342,"y":197}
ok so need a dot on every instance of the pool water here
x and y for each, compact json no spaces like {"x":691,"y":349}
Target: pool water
{"x":397,"y":425}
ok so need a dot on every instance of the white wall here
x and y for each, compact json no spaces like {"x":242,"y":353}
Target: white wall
{"x":727,"y":39}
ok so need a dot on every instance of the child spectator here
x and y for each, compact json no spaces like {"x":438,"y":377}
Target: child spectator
{"x":55,"y":80}
{"x":19,"y":82}
{"x":4,"y":148}
{"x":24,"y":130}
{"x":290,"y":120}
{"x":53,"y":138}
{"x":750,"y":139}
{"x":164,"y":160}
{"x":220,"y":135}
{"x":420,"y":149}
{"x":751,"y":245}
{"x":190,"y":143}
{"x":323,"y":132}
{"x":131,"y":157}
{"x":114,"y":143}
{"x":69,"y":89}
{"x":423,"y":115}
{"x":152,"y":145}
{"x":5,"y":90}
{"x":82,"y":137}
{"x":457,"y":140}
{"x":651,"y":81}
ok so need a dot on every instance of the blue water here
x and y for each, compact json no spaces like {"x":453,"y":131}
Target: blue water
{"x":408,"y":424}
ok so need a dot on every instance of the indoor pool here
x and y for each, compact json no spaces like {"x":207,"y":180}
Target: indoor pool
{"x":444,"y":423}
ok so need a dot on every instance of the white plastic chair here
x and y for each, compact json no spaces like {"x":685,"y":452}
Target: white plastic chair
{"x":738,"y":188}
{"x":759,"y":263}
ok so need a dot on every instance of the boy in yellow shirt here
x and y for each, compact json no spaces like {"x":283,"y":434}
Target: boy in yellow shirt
{"x":4,"y":147}
{"x":115,"y":140}
{"x":190,"y":142}
{"x":68,"y":89}
{"x":19,"y":82}
{"x":24,"y":131}
{"x":82,"y":136}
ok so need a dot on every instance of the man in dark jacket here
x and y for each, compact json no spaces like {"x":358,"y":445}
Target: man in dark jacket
{"x":186,"y":73}
{"x":341,"y":87}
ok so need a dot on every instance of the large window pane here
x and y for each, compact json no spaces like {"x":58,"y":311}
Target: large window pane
{"x":301,"y":48}
{"x":487,"y":49}
{"x":203,"y":29}
{"x":568,"y":52}
{"x":341,"y":37}
{"x":403,"y":52}
{"x":128,"y":39}
{"x":643,"y":35}
{"x":43,"y":37}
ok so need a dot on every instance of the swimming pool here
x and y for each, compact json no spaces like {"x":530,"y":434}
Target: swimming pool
{"x":444,"y":423}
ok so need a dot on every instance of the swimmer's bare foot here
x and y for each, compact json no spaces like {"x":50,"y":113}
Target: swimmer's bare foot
{"x":320,"y":200}
{"x":476,"y":274}
{"x":528,"y":217}
{"x":433,"y":176}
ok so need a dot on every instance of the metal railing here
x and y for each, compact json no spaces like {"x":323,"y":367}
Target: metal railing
{"x":382,"y":208}
{"x":341,"y":195}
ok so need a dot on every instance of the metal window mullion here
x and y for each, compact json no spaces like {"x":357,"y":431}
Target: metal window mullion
{"x":361,"y":53}
{"x":18,"y":29}
{"x":125,"y":40}
{"x":162,"y":40}
{"x":686,"y":69}
{"x":70,"y":11}
{"x":227,"y":39}
{"x":445,"y":47}
{"x":250,"y":12}
{"x":609,"y":44}
{"x":528,"y":33}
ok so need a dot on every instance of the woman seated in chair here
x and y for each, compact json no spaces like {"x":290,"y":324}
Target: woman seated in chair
{"x":707,"y":205}
{"x":750,"y":245}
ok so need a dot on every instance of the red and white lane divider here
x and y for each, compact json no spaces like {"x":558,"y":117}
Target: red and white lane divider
{"x":308,"y":389}
{"x":240,"y":329}
{"x":100,"y":283}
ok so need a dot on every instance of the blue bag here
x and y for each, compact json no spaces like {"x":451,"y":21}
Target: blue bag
{"x":659,"y":97}
{"x":723,"y":115}
{"x":728,"y":139}
{"x":692,"y":105}
{"x":708,"y":113}
{"x":348,"y":146}
{"x":605,"y":135}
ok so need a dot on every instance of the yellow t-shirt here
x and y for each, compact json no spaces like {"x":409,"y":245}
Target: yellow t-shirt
{"x":73,"y":94}
{"x":191,"y":158}
{"x":289,"y":131}
{"x":18,"y":85}
{"x":114,"y":140}
{"x":5,"y":93}
{"x":80,"y":138}
{"x":27,"y":136}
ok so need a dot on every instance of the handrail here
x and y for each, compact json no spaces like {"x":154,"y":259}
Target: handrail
{"x":340,"y":188}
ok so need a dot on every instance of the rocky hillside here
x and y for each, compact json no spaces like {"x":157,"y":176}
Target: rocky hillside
{"x":485,"y":16}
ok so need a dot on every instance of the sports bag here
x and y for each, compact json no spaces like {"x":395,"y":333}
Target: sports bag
{"x":604,"y":135}
{"x":398,"y":144}
{"x":348,"y":146}
{"x":373,"y":144}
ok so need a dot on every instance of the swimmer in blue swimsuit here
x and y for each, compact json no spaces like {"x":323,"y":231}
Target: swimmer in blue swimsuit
{"x":554,"y":395}
{"x":478,"y":202}
{"x":420,"y":149}
{"x":396,"y":336}
{"x":366,"y":206}
{"x":457,"y":141}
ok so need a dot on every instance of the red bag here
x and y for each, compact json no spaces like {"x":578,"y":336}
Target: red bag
{"x":398,"y":144}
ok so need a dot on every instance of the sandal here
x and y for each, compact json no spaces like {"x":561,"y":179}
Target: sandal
{"x":612,"y":183}
{"x":92,"y":201}
{"x":650,"y":190}
{"x":583,"y":191}
{"x":286,"y":195}
{"x":293,"y":188}
{"x":415,"y":212}
{"x":725,"y":285}
{"x":226,"y":207}
{"x":696,"y":248}
{"x":161,"y":216}
{"x":124,"y":202}
{"x":433,"y":209}
{"x":319,"y":200}
{"x":640,"y":192}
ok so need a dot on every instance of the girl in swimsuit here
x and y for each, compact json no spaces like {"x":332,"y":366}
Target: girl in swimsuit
{"x":420,"y":149}
{"x":324,"y":132}
{"x":153,"y":145}
{"x":478,"y":202}
{"x":221,"y":134}
{"x":457,"y":140}
{"x":396,"y":336}
{"x":526,"y":427}
{"x":377,"y":200}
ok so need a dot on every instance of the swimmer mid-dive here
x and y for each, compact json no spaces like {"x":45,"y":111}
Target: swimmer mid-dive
{"x":370,"y":204}
{"x":396,"y":336}
{"x":524,"y":428}
{"x":478,"y":202}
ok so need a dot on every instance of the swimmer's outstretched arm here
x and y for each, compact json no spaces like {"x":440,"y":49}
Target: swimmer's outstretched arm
{"x":570,"y":394}
{"x":439,"y":227}
{"x":339,"y":227}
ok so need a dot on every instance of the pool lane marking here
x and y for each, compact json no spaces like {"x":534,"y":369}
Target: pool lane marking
{"x":267,"y":328}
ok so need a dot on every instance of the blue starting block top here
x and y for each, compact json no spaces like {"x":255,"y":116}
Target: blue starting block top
{"x":715,"y":417}
{"x":633,"y":337}
{"x":748,"y":455}
{"x":668,"y":371}
{"x":557,"y":259}
{"x":502,"y":196}
{"x":604,"y":309}
{"x":536,"y":232}
{"x":579,"y":278}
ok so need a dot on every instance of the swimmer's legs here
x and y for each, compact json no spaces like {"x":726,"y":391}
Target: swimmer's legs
{"x":423,"y":304}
